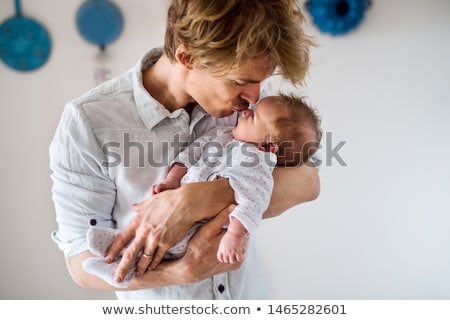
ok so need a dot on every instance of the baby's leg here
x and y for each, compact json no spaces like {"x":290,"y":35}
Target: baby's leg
{"x":99,"y":241}
{"x":232,"y":248}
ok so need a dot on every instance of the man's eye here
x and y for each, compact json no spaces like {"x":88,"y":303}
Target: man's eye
{"x":239,"y":83}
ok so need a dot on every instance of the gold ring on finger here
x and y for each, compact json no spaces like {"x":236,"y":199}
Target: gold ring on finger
{"x":147,"y":255}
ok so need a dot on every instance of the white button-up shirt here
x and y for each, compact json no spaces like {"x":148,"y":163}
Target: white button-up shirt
{"x":111,"y":145}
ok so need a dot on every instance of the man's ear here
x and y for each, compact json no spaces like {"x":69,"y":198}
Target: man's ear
{"x":183,"y":58}
{"x":269,"y":146}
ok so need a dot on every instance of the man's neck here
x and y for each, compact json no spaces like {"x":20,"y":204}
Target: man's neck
{"x":164,"y":82}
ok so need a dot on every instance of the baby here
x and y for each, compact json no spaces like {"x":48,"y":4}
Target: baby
{"x":282,"y":130}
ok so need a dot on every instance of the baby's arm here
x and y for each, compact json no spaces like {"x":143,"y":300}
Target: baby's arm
{"x":234,"y":243}
{"x":173,"y":179}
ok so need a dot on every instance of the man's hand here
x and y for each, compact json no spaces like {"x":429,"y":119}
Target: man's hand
{"x":160,"y":222}
{"x":163,"y":219}
{"x":199,"y":262}
{"x":201,"y":257}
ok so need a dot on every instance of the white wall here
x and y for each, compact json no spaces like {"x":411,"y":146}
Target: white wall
{"x":380,"y":228}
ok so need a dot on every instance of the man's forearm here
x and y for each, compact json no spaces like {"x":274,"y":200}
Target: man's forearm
{"x":83,"y":278}
{"x":293,"y":186}
{"x":209,"y":197}
{"x":164,"y":275}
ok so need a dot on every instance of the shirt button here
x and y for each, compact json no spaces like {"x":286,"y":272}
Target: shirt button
{"x":221,"y":288}
{"x":93,"y":222}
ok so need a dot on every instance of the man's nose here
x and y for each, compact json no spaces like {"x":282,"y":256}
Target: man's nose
{"x":251,"y":93}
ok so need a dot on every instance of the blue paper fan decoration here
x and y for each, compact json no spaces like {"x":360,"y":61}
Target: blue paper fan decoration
{"x":99,"y":22}
{"x":337,"y":16}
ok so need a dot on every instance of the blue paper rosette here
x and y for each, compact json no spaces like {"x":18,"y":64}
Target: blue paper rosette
{"x":337,"y":16}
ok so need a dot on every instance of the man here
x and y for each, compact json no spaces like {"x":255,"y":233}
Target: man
{"x":116,"y":141}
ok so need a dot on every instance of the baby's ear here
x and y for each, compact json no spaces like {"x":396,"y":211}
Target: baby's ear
{"x":268,"y":146}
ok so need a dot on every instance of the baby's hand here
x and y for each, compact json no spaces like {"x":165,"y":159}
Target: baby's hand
{"x":166,"y":185}
{"x":232,"y":248}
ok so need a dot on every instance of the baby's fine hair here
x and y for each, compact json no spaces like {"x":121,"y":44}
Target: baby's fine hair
{"x":298,"y":133}
{"x":220,"y":35}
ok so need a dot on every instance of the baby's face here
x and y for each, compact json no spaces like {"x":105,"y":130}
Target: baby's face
{"x":255,"y":125}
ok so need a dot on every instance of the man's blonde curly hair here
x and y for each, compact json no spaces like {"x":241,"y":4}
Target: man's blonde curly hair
{"x":223,"y":34}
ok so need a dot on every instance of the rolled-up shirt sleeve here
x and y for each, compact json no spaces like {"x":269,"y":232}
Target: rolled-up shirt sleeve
{"x":82,"y":192}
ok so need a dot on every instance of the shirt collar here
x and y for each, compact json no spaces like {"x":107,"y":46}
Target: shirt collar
{"x":151,"y":111}
{"x":197,"y":114}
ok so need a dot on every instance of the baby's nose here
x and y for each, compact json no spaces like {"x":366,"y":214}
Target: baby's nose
{"x":247,"y":112}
